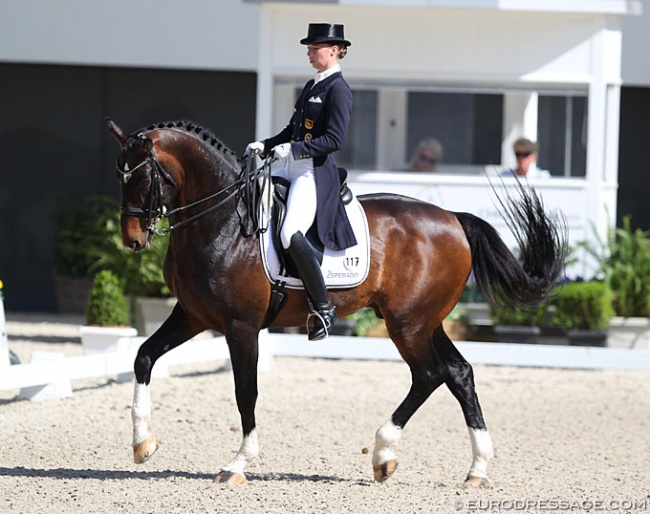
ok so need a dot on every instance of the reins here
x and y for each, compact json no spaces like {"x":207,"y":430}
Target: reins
{"x":247,"y":187}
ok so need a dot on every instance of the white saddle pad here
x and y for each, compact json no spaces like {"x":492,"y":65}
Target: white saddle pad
{"x":347,"y":268}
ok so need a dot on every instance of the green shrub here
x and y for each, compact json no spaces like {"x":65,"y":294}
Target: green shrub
{"x":624,"y":262}
{"x":107,"y":304}
{"x":79,"y":231}
{"x":519,"y":317}
{"x":89,"y":239}
{"x":365,"y":320}
{"x":583,"y":306}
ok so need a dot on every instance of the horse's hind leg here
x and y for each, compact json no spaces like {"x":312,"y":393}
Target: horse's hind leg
{"x":243,"y":346}
{"x":460,"y":381}
{"x":174,"y":331}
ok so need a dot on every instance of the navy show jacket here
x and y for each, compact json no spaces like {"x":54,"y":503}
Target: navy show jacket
{"x":317,"y":128}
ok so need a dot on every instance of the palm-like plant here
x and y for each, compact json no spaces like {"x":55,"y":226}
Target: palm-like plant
{"x":624,"y":259}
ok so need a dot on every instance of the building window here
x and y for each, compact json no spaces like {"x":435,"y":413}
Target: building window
{"x":360,"y":149}
{"x":562,"y":134}
{"x":476,"y":126}
{"x":469,"y":126}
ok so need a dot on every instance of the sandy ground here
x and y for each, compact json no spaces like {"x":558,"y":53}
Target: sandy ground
{"x":565,"y":440}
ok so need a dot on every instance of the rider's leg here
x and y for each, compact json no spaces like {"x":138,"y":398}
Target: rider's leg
{"x":303,"y":257}
{"x":301,"y":212}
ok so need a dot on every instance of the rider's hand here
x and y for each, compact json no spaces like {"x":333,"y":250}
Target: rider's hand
{"x":256,"y":147}
{"x":281,"y":151}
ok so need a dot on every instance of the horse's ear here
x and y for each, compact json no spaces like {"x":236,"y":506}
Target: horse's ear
{"x":116,"y":131}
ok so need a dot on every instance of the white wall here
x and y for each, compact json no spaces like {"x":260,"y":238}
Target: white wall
{"x":203,"y":34}
{"x":636,"y":42}
{"x":450,"y":44}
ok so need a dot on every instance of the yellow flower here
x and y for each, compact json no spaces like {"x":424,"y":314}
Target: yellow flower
{"x":1,"y":284}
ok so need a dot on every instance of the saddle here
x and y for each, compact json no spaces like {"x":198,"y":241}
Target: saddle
{"x":286,"y":266}
{"x":279,"y":211}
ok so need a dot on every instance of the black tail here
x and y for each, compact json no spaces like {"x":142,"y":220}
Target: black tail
{"x":542,"y":241}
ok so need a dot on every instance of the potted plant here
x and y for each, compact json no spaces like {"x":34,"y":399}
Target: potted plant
{"x":106,"y":315}
{"x":99,"y":242}
{"x":624,"y":263}
{"x":76,"y":228}
{"x":584,"y":309}
{"x":141,"y":274}
{"x":514,"y":325}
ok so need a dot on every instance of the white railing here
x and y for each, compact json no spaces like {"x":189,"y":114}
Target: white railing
{"x":48,"y":377}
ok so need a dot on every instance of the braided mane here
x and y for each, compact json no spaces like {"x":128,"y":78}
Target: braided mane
{"x":198,"y":131}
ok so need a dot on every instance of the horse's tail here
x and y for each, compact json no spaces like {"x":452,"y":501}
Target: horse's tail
{"x":542,"y":239}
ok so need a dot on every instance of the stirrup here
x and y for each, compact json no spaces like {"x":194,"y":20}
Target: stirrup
{"x":316,"y":314}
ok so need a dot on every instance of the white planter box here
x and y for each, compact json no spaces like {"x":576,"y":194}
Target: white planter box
{"x":150,"y":313}
{"x":95,"y":339}
{"x":629,"y":333}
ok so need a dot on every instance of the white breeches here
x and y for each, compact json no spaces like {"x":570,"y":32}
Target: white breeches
{"x":301,"y":202}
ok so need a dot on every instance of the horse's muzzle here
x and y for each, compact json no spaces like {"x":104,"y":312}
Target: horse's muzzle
{"x":133,"y":235}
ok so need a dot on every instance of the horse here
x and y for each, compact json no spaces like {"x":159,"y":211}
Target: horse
{"x":421,"y":258}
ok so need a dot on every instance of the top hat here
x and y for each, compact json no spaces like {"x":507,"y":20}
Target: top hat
{"x":324,"y":33}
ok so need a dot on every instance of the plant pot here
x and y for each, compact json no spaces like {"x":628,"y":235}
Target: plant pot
{"x":96,"y":339}
{"x":587,"y":337}
{"x":526,"y":334}
{"x":151,"y":312}
{"x":632,"y":333}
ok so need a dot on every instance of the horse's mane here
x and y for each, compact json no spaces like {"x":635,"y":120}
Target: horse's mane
{"x":197,"y":131}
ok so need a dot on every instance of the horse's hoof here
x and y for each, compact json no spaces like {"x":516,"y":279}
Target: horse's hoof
{"x":477,"y":483}
{"x":143,"y":451}
{"x":229,"y":478}
{"x":384,"y":471}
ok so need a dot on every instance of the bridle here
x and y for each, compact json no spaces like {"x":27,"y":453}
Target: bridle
{"x":247,"y":187}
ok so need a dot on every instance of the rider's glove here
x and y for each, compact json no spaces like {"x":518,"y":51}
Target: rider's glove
{"x":256,"y":147}
{"x":281,"y":151}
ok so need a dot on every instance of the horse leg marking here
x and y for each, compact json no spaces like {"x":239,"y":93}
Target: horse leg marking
{"x":145,"y":443}
{"x":384,"y":461}
{"x":233,"y":472}
{"x":482,"y":452}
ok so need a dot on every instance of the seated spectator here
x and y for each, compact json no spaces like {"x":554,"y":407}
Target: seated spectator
{"x":526,"y":152}
{"x":426,"y":156}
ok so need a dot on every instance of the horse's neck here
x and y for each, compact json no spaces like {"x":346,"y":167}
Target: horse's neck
{"x":206,"y":172}
{"x":208,"y":187}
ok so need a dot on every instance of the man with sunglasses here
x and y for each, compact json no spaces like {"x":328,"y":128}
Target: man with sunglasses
{"x":526,"y":153}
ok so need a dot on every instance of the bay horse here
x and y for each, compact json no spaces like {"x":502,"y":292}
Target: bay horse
{"x":421,"y":258}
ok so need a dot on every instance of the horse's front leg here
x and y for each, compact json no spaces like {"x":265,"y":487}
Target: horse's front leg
{"x":176,"y":329}
{"x":243,"y":345}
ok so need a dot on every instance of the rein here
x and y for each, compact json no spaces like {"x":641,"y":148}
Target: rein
{"x":247,"y":187}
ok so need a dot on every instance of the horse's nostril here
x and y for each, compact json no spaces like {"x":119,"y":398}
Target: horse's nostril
{"x":135,"y":245}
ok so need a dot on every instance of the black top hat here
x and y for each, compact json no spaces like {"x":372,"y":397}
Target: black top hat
{"x":324,"y":33}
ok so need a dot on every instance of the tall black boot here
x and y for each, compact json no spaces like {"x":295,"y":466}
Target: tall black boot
{"x":312,"y":278}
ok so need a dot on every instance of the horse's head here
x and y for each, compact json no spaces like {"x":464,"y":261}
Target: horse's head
{"x":141,"y":178}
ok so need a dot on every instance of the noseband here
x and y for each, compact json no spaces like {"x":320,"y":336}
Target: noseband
{"x":245,"y":187}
